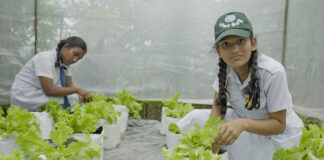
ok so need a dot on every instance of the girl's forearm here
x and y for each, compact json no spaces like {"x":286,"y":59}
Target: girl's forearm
{"x":59,"y":91}
{"x":263,"y":127}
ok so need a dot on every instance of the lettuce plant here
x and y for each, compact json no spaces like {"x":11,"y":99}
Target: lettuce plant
{"x":175,"y":108}
{"x":34,"y":146}
{"x":126,"y":99}
{"x":196,"y":144}
{"x":18,"y":121}
{"x":311,"y":146}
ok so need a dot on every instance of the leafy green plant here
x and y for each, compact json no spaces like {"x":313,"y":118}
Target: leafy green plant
{"x":85,"y":117}
{"x":175,"y":108}
{"x":102,"y":109}
{"x":80,"y":121}
{"x":309,"y":121}
{"x":174,"y":128}
{"x":28,"y":136}
{"x":126,"y":99}
{"x":34,"y":145}
{"x":311,"y":146}
{"x":18,"y":121}
{"x":196,"y":144}
{"x":96,"y":97}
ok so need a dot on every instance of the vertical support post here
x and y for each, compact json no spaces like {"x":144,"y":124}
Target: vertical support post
{"x":35,"y":25}
{"x":284,"y":38}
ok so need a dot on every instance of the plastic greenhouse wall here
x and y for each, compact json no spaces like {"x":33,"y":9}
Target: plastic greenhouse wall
{"x":155,"y":48}
{"x":305,"y":56}
{"x":16,"y":41}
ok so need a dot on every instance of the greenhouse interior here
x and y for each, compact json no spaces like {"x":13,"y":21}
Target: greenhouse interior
{"x":155,"y":80}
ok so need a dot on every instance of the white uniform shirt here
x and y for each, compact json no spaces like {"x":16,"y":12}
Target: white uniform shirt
{"x":274,"y":95}
{"x":26,"y":90}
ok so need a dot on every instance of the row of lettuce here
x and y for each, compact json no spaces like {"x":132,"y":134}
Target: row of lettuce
{"x":194,"y":144}
{"x":197,"y":144}
{"x":23,"y":126}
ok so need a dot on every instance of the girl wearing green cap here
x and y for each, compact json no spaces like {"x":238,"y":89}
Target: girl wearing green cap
{"x":262,"y":120}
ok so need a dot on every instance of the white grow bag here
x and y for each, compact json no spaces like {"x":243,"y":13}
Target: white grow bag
{"x":172,"y":139}
{"x":162,"y":127}
{"x":96,"y":138}
{"x":113,"y":132}
{"x":123,"y":118}
{"x":8,"y":144}
{"x":46,"y":123}
{"x":165,"y":122}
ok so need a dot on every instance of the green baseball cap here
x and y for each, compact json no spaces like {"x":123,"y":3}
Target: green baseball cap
{"x":233,"y":23}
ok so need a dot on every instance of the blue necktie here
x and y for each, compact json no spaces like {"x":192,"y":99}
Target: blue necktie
{"x":63,"y":83}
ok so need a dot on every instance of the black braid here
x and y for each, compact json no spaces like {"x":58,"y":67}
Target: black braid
{"x":253,"y":89}
{"x":73,"y":41}
{"x":222,"y":97}
{"x":58,"y":54}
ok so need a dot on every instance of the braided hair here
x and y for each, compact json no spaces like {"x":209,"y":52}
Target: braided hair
{"x":252,"y":90}
{"x":73,"y":41}
{"x":222,"y":97}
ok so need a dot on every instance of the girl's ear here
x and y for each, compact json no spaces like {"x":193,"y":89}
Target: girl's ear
{"x":254,"y":44}
{"x":65,"y":46}
{"x":217,"y":49}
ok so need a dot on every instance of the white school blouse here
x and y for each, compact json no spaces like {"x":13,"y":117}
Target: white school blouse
{"x":26,"y":90}
{"x":274,"y":96}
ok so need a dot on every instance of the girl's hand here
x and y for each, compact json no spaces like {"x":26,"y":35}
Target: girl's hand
{"x":215,"y":148}
{"x":85,"y":95}
{"x":229,"y":132}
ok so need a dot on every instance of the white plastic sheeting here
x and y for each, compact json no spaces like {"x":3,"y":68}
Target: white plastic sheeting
{"x":141,"y":141}
{"x":155,"y":48}
{"x":16,"y":41}
{"x":305,"y":56}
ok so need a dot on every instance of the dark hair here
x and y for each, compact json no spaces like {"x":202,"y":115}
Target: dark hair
{"x":253,"y":89}
{"x":73,"y":41}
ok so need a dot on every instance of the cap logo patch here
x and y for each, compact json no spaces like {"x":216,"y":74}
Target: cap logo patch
{"x":230,"y":18}
{"x":232,"y":24}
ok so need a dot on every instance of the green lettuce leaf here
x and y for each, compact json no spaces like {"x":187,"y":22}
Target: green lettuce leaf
{"x":196,"y":144}
{"x":311,"y":146}
{"x":174,"y":128}
{"x":175,"y":108}
{"x":126,"y":99}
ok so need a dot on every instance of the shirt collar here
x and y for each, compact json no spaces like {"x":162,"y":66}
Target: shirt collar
{"x":234,"y":77}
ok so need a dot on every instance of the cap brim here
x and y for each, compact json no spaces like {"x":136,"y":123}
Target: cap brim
{"x":233,"y":32}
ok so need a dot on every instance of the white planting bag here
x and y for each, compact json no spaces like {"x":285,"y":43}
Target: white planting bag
{"x":162,"y":127}
{"x":225,"y":156}
{"x":8,"y":144}
{"x":123,"y":118}
{"x":46,"y":123}
{"x":165,"y":122}
{"x":172,"y":139}
{"x":96,"y":138}
{"x":113,"y":132}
